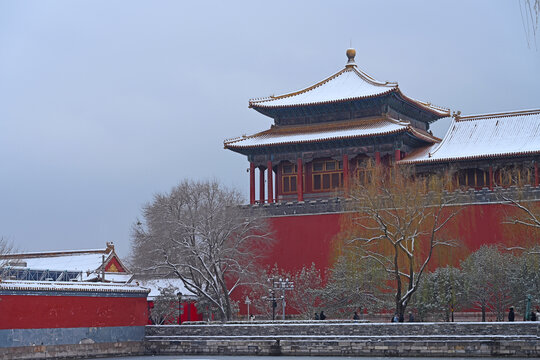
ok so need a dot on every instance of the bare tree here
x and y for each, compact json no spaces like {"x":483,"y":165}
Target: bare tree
{"x":524,"y":277}
{"x":354,"y":284}
{"x":6,"y":247}
{"x":397,"y":221}
{"x":441,"y":292}
{"x":530,"y":14}
{"x":305,"y":297}
{"x":260,"y":291}
{"x":199,"y":233}
{"x":166,"y":306}
{"x":487,"y":280}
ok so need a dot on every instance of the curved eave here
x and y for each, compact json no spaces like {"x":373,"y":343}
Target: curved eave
{"x":424,"y":136}
{"x":440,"y":112}
{"x":260,"y":107}
{"x":406,"y":129}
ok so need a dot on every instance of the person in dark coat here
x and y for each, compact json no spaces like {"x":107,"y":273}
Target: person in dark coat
{"x":322,"y":316}
{"x":411,"y":316}
{"x":355,"y":316}
{"x":511,"y":314}
{"x":533,"y":316}
{"x":316,"y":316}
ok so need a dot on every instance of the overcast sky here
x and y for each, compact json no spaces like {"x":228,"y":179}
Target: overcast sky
{"x":105,"y":103}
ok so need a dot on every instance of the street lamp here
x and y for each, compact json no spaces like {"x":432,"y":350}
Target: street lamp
{"x":283,"y":284}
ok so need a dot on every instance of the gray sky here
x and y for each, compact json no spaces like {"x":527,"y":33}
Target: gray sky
{"x":105,"y":103}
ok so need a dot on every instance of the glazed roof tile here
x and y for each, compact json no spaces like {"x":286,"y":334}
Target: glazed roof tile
{"x":348,"y":84}
{"x":70,"y":286}
{"x":484,"y":136}
{"x":325,"y":132}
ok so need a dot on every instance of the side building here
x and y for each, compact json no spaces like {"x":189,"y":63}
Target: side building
{"x":79,"y":296}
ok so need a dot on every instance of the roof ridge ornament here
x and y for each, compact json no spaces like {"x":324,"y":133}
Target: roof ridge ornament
{"x":351,"y":53}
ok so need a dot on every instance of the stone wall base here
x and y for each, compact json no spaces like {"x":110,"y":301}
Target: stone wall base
{"x":350,"y":347}
{"x":73,"y":351}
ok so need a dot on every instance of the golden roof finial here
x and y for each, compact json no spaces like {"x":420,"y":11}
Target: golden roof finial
{"x":351,"y":53}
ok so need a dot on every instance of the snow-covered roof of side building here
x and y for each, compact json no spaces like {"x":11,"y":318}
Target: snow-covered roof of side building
{"x":18,"y":285}
{"x":484,"y":136}
{"x":76,"y":262}
{"x":377,"y":126}
{"x":89,"y":263}
{"x":347,"y":84}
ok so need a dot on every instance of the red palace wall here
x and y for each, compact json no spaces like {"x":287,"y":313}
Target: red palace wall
{"x":303,"y":239}
{"x":37,"y":312}
{"x":54,"y":313}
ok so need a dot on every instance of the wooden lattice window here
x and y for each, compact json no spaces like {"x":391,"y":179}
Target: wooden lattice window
{"x":327,"y":175}
{"x":288,"y":178}
{"x":473,"y":178}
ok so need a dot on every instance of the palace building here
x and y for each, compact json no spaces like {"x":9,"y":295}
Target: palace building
{"x":324,"y":135}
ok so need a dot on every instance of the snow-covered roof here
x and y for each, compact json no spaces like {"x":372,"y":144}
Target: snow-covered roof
{"x":484,"y":136}
{"x":327,"y":131}
{"x":347,"y":84}
{"x":79,"y":262}
{"x":69,"y":286}
{"x":87,"y":262}
{"x":117,"y":277}
{"x":155,"y":286}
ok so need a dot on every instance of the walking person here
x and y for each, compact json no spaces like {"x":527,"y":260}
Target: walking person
{"x":355,"y":316}
{"x":322,"y":316}
{"x":411,"y":316}
{"x":317,"y":316}
{"x":395,"y":318}
{"x":511,"y":314}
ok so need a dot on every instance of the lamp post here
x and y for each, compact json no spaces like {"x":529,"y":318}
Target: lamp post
{"x":247,"y":302}
{"x":283,"y":285}
{"x":272,"y":299}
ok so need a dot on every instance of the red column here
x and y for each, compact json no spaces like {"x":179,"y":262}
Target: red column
{"x":261,"y":185}
{"x":536,"y":178}
{"x":278,"y":182}
{"x":377,"y":158}
{"x":270,"y":183}
{"x":491,"y":178}
{"x":397,"y":155}
{"x":346,"y":173}
{"x":299,"y":180}
{"x":251,"y":183}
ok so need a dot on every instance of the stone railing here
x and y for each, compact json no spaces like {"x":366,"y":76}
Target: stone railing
{"x":340,"y":204}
